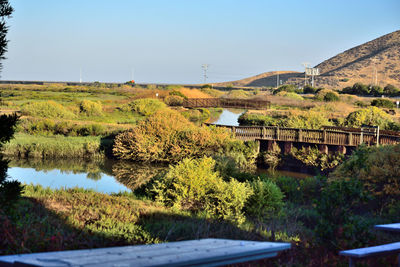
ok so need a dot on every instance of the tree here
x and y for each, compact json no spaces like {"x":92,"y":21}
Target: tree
{"x":9,"y":190}
{"x":5,"y":12}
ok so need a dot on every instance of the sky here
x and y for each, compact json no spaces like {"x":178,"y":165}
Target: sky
{"x":168,"y":41}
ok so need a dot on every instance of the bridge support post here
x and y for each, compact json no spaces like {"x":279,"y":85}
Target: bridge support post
{"x":323,"y":149}
{"x":350,"y":136}
{"x":287,"y":147}
{"x":341,"y":149}
{"x":277,"y":133}
{"x":270,"y":145}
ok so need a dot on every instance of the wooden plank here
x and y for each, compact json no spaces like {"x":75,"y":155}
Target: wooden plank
{"x":394,"y":227}
{"x":372,"y":251}
{"x":210,"y":252}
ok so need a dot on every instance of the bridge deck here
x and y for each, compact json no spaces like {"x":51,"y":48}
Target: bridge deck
{"x":324,"y":136}
{"x":226,"y":103}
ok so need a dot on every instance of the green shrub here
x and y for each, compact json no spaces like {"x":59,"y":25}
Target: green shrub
{"x":256,"y":120}
{"x":383,"y":103}
{"x":291,"y":95}
{"x":168,"y":136}
{"x":90,"y":108}
{"x":391,"y":90}
{"x":272,"y":157}
{"x":377,"y":169}
{"x":313,"y":157}
{"x":308,"y":89}
{"x":309,"y":120}
{"x":266,"y":201}
{"x":243,"y":155}
{"x":193,"y":185}
{"x":47,"y":109}
{"x":331,"y":96}
{"x":288,"y":88}
{"x":146,"y":106}
{"x":320,"y":95}
{"x":173,"y":100}
{"x":336,"y":206}
{"x":372,"y":116}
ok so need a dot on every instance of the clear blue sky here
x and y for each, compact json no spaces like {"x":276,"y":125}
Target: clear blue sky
{"x":168,"y":41}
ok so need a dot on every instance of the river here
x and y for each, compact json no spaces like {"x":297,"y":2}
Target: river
{"x":106,"y":176}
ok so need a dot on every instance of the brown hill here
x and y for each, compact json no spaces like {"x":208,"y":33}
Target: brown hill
{"x":264,"y":79}
{"x":375,"y":62}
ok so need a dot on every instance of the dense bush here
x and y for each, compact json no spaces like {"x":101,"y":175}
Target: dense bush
{"x":391,"y":90}
{"x":168,"y":136}
{"x":256,"y":119}
{"x":321,"y":94}
{"x":47,"y":109}
{"x":66,"y":128}
{"x":90,"y":108}
{"x":174,"y":100}
{"x":193,"y":185}
{"x":240,"y":156}
{"x":291,"y":95}
{"x":338,"y":226}
{"x":377,"y":168}
{"x":308,"y":89}
{"x":331,"y":96}
{"x":266,"y":200}
{"x":372,"y":90}
{"x":272,"y":157}
{"x":146,"y":106}
{"x":288,"y":88}
{"x":309,"y":120}
{"x":372,"y":116}
{"x":311,"y":156}
{"x":384,"y":103}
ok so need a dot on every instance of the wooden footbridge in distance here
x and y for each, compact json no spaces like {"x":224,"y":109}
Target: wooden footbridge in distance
{"x":329,"y":137}
{"x":226,"y":103}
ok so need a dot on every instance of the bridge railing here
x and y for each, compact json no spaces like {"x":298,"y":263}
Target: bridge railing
{"x":328,"y":137}
{"x":226,"y":102}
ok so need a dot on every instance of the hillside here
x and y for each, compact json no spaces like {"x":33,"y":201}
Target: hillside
{"x":377,"y":61}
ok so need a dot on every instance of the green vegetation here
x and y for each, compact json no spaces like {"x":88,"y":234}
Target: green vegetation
{"x":47,"y":109}
{"x":56,"y":146}
{"x":372,"y":90}
{"x":147,"y":106}
{"x":91,"y":108}
{"x":377,"y":169}
{"x":167,"y":136}
{"x":370,"y":116}
{"x":174,"y":100}
{"x":193,"y":185}
{"x":383,"y":103}
{"x":290,"y":95}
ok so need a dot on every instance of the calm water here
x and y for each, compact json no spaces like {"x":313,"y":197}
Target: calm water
{"x":104,"y":176}
{"x":229,"y":117}
{"x":56,"y":179}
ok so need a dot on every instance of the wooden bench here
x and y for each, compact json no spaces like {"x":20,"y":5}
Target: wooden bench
{"x":203,"y":252}
{"x":354,"y":254}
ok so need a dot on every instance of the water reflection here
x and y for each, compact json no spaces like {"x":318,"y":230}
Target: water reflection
{"x":105,"y":176}
{"x":229,"y":117}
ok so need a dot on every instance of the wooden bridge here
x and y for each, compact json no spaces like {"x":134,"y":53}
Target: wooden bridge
{"x":328,"y":136}
{"x":226,"y":103}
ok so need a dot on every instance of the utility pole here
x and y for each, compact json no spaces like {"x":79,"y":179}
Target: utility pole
{"x":205,"y":68}
{"x":305,"y":64}
{"x":375,"y":73}
{"x":277,"y":80}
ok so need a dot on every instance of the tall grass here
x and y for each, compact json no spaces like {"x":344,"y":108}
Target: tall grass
{"x":25,"y":146}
